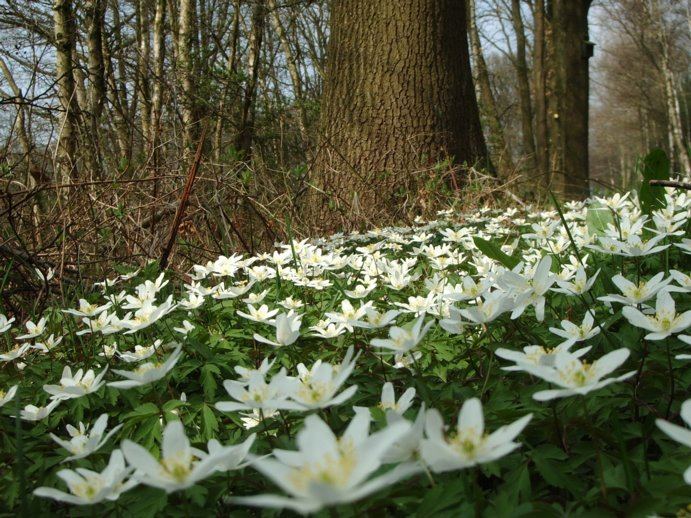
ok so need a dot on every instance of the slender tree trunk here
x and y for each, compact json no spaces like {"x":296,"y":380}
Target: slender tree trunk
{"x":398,"y":99}
{"x":231,"y":68}
{"x":498,"y":147}
{"x":144,"y":37}
{"x":571,"y":57}
{"x":116,"y":81}
{"x":523,"y":86}
{"x":63,"y":19}
{"x":95,"y":13}
{"x":540,"y":65}
{"x":245,"y":136}
{"x":677,"y":146}
{"x":293,"y":71}
{"x":186,"y":66}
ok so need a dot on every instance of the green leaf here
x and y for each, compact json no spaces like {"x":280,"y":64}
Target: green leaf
{"x":208,"y":381}
{"x":209,"y":422}
{"x":597,"y":220}
{"x":655,"y":167}
{"x":493,"y":251}
{"x":143,"y":411}
{"x":440,"y":498}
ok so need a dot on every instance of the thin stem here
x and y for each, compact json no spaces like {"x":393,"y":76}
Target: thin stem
{"x":671,"y":380}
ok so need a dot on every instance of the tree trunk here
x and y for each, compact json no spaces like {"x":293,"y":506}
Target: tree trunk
{"x":186,"y":66}
{"x":293,"y":71}
{"x":540,"y":65}
{"x":677,"y":147}
{"x":523,"y":87}
{"x":398,"y":97}
{"x":143,"y":36}
{"x":498,"y":148}
{"x":245,"y":137}
{"x":95,"y":13}
{"x":63,"y":19}
{"x":231,"y":79}
{"x":571,"y":56}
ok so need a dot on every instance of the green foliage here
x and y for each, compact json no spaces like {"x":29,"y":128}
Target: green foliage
{"x":655,"y":166}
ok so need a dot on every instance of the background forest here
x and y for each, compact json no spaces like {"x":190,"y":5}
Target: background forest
{"x":104,"y":103}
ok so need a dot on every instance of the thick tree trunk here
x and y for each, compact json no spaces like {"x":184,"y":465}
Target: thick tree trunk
{"x":398,"y":97}
{"x":499,"y":150}
{"x":63,"y":19}
{"x":523,"y":87}
{"x":571,"y":56}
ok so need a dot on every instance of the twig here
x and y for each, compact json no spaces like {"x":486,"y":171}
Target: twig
{"x":191,"y":175}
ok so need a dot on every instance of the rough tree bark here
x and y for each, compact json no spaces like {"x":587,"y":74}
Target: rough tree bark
{"x":497,"y":146}
{"x":398,"y":96}
{"x":677,"y":146}
{"x":542,"y":153}
{"x":293,"y":71}
{"x":63,"y":19}
{"x":523,"y":86}
{"x":245,"y":136}
{"x":185,"y":64}
{"x":570,"y":61}
{"x":95,"y":13}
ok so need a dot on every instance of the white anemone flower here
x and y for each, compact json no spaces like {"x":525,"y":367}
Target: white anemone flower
{"x":573,"y":333}
{"x":634,"y":294}
{"x":469,"y":444}
{"x":47,"y":344}
{"x":318,"y":386}
{"x":33,"y":329}
{"x":35,"y":413}
{"x":530,"y":290}
{"x":255,"y":392}
{"x":579,"y":285}
{"x":6,"y":397}
{"x":83,"y":440}
{"x":187,"y":326}
{"x":326,"y":329}
{"x":180,"y":465}
{"x":407,"y":448}
{"x":327,"y":470}
{"x":488,"y":308}
{"x":77,"y":385}
{"x":575,"y":377}
{"x":535,"y":355}
{"x":664,"y":323}
{"x":5,"y":323}
{"x":16,"y":352}
{"x":402,"y":340}
{"x":88,"y":487}
{"x":261,"y":314}
{"x":679,"y":433}
{"x":388,"y":401}
{"x":375,"y":319}
{"x":86,"y":309}
{"x":287,"y":330}
{"x":147,"y":372}
{"x":245,"y":373}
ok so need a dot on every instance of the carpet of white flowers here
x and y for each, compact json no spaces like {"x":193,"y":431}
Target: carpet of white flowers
{"x":500,"y":364}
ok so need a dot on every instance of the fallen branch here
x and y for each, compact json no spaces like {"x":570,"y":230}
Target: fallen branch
{"x":670,"y":183}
